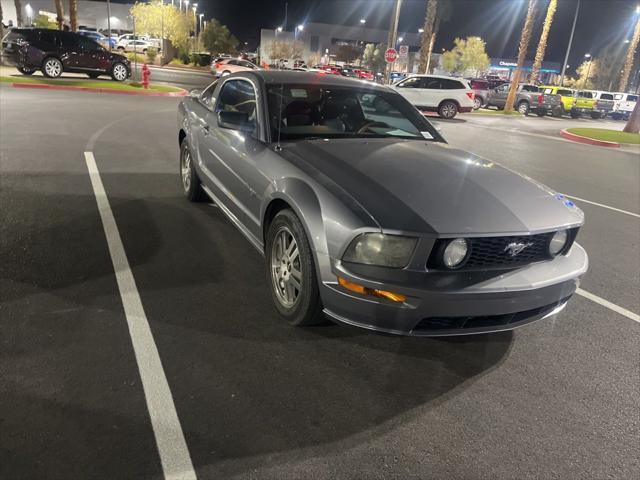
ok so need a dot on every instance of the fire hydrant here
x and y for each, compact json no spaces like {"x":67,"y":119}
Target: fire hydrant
{"x":146,"y":73}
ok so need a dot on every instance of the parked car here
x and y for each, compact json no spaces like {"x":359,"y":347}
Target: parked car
{"x":480,"y":88}
{"x":226,"y":66}
{"x":101,"y":39}
{"x":124,"y":40}
{"x":624,"y":105}
{"x":434,"y":93}
{"x":54,"y":52}
{"x":136,"y":46}
{"x":332,"y":69}
{"x":528,"y":98}
{"x":365,"y":215}
{"x":365,"y":74}
{"x":566,"y":96}
{"x":583,"y":103}
{"x":349,"y":70}
{"x":604,"y":104}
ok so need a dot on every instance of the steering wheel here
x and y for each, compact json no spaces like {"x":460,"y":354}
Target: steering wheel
{"x":371,"y":123}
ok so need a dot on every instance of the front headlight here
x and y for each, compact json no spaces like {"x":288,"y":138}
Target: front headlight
{"x":382,"y":250}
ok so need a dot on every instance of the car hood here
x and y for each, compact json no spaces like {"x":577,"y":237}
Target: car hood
{"x":429,"y":187}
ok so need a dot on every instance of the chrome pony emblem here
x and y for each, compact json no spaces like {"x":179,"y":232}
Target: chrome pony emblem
{"x":514,"y":248}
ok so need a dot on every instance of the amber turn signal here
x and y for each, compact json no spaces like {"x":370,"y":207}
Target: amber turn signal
{"x":362,"y":290}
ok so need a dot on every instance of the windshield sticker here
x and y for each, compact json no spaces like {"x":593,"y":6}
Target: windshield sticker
{"x":427,"y":135}
{"x":299,"y":93}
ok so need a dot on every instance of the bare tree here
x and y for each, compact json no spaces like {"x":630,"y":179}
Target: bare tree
{"x":542,"y":45}
{"x":429,"y":22}
{"x":60,"y":14}
{"x":18,"y":4}
{"x":522,"y":53}
{"x":628,"y":64}
{"x":73,"y":14}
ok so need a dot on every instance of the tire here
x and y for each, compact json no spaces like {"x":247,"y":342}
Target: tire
{"x":52,"y":67}
{"x":93,"y":75}
{"x":305,"y":307}
{"x":524,"y":108}
{"x":191,"y":185}
{"x":574,"y":114}
{"x":557,"y":112}
{"x":26,"y":71}
{"x":448,"y":109}
{"x":596,"y":115}
{"x":541,"y":112}
{"x":119,"y":72}
{"x":121,"y":49}
{"x":477,"y":103}
{"x":616,"y":116}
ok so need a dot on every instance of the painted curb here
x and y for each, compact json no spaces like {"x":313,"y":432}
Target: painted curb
{"x":588,"y":141}
{"x":43,"y":86}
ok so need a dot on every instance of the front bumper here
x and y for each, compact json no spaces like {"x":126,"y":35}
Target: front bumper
{"x":441,"y":304}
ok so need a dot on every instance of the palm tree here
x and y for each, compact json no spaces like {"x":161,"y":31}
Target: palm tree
{"x":18,"y":4}
{"x":542,"y":46}
{"x":522,"y":53}
{"x":73,"y":14}
{"x":631,"y":52}
{"x":60,"y":14}
{"x":443,"y":13}
{"x":429,"y":21}
{"x":633,"y":125}
{"x":1,"y":24}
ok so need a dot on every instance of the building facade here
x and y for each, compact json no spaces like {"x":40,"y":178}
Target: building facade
{"x":91,"y":15}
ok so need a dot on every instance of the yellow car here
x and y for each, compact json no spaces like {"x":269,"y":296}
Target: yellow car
{"x":566,"y":95}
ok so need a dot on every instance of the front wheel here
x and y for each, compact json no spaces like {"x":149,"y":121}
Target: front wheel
{"x":291,"y":272}
{"x":191,"y":185}
{"x":52,"y":67}
{"x":575,"y":114}
{"x":26,"y":71}
{"x":557,"y":112}
{"x":119,"y":72}
{"x":448,"y":109}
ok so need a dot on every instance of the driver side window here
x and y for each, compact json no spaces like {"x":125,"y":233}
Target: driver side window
{"x":503,"y":88}
{"x":88,"y":45}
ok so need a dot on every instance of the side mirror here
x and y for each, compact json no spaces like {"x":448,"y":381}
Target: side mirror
{"x":234,"y":120}
{"x":195,"y":92}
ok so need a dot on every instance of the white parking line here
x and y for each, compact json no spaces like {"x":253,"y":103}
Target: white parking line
{"x":604,"y":206}
{"x":611,"y":306}
{"x":172,"y":447}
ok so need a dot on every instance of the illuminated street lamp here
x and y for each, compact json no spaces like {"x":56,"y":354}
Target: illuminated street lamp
{"x":587,"y":56}
{"x":421,"y":30}
{"x":363,"y":21}
{"x":400,"y":39}
{"x":299,"y":28}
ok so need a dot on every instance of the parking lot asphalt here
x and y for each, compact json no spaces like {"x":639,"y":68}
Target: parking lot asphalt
{"x":255,"y":397}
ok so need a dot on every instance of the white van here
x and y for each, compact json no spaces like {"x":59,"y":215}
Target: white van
{"x":624,"y":105}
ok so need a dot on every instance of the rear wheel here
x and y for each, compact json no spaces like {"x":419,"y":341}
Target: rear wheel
{"x":52,"y":67}
{"x":291,"y":271}
{"x":575,"y":114}
{"x":557,"y":112}
{"x":523,"y":108}
{"x":26,"y":71}
{"x":191,"y":185}
{"x":448,"y":109}
{"x":541,"y":112}
{"x":477,"y":103}
{"x":595,"y":115}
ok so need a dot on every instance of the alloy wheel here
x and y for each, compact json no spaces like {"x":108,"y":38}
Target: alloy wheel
{"x":286,"y":273}
{"x":522,"y":108}
{"x":185,"y":170}
{"x":53,"y":68}
{"x":120,"y":72}
{"x":448,"y":110}
{"x":477,"y":103}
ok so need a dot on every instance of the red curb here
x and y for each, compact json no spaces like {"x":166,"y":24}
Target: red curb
{"x":43,"y":86}
{"x":587,"y":140}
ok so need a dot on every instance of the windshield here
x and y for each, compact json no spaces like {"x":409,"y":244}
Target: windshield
{"x":311,"y":111}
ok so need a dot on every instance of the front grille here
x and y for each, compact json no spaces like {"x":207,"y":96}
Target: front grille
{"x":488,"y":321}
{"x":494,"y":252}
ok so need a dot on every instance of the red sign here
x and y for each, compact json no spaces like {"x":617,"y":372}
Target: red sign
{"x":391,"y":55}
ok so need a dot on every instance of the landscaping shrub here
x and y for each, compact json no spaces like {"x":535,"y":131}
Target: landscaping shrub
{"x":135,"y":57}
{"x":152,"y":53}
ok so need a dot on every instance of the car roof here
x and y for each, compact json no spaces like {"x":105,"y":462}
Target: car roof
{"x":434,"y":76}
{"x":309,"y":78}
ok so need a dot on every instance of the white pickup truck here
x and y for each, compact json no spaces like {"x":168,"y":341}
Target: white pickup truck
{"x":624,"y":103}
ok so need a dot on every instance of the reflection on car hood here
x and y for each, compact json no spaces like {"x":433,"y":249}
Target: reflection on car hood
{"x":429,"y":187}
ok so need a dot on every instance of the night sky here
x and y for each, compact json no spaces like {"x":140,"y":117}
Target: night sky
{"x":603,"y":25}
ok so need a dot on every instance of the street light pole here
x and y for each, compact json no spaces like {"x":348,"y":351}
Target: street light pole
{"x":393,"y":34}
{"x":566,"y":57}
{"x":109,"y":23}
{"x":584,"y":84}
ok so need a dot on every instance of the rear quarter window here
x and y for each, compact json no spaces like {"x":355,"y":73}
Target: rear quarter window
{"x":548,"y":91}
{"x":448,"y":84}
{"x":632,"y":98}
{"x":479,"y":85}
{"x":530,"y":88}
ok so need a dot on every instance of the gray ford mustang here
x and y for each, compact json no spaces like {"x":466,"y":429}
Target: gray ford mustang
{"x":365,"y":214}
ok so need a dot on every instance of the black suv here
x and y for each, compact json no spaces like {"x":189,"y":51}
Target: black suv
{"x":55,"y":51}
